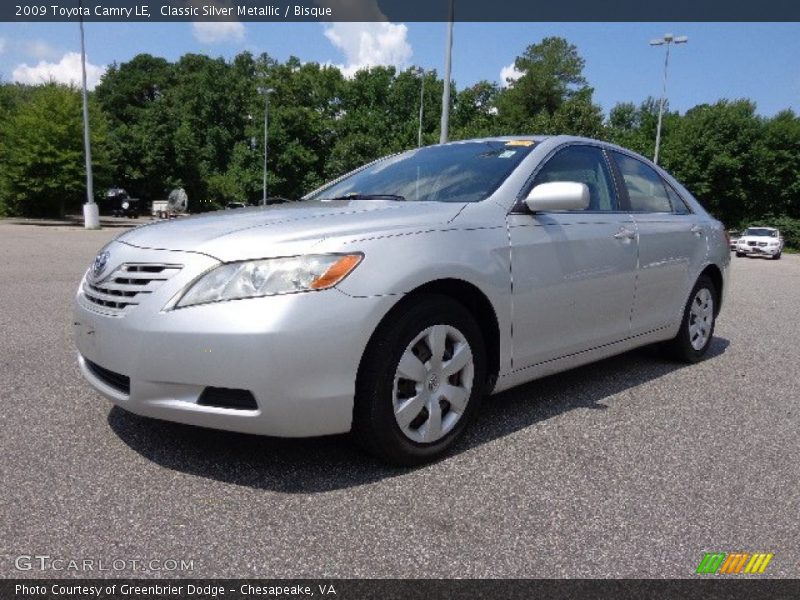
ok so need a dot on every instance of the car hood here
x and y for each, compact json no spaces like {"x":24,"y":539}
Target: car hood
{"x":286,"y":229}
{"x":757,"y":238}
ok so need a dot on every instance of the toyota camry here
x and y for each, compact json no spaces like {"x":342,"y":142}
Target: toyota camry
{"x":390,"y":301}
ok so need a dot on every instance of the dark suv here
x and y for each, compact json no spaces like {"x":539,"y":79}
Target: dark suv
{"x":119,"y":204}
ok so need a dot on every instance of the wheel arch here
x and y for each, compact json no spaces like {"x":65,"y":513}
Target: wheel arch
{"x":714,"y":273}
{"x":470,"y":297}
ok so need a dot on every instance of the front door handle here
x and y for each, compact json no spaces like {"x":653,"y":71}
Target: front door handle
{"x":625,"y":234}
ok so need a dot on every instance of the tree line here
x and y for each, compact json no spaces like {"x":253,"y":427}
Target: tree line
{"x":197,"y":123}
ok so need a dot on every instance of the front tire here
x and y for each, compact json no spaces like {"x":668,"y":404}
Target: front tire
{"x":778,"y":255}
{"x":697,"y":326}
{"x":421,"y":381}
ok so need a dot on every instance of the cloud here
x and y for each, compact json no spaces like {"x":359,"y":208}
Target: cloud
{"x":67,"y":70}
{"x":509,"y":74}
{"x":354,"y":10}
{"x":370,"y":44}
{"x":39,"y":49}
{"x":218,"y":32}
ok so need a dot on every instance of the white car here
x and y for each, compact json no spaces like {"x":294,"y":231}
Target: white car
{"x":760,"y":241}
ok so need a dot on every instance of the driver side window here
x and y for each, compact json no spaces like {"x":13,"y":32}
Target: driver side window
{"x":582,"y":164}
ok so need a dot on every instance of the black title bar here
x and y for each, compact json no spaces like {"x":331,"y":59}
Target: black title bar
{"x":398,"y":10}
{"x":702,"y":587}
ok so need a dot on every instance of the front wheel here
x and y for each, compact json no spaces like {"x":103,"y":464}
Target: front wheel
{"x":697,"y":326}
{"x":777,"y":256}
{"x":420,"y":382}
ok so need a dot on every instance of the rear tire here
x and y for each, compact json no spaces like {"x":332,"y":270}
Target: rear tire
{"x":420,"y":383}
{"x":697,"y":326}
{"x":739,"y":254}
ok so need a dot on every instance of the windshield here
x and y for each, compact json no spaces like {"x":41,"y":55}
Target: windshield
{"x":760,"y":232}
{"x":467,"y":172}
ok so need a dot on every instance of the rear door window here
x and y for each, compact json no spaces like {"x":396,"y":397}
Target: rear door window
{"x":679,"y":206}
{"x":646,"y":191}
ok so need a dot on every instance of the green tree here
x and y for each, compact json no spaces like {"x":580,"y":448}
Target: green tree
{"x":474,"y":113}
{"x":134,"y":98}
{"x":552,"y":74}
{"x":635,"y":127}
{"x":779,"y":169}
{"x":715,"y":151}
{"x":578,"y":115}
{"x":43,"y":173}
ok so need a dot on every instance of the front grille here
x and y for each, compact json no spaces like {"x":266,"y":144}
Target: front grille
{"x":121,"y":383}
{"x":751,"y":243}
{"x":128,"y":285}
{"x":762,"y":244}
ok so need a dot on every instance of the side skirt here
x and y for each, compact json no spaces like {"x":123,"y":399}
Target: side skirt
{"x":578,"y":359}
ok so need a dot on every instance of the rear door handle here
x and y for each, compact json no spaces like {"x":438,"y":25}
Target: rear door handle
{"x":625,"y":234}
{"x":696,"y":229}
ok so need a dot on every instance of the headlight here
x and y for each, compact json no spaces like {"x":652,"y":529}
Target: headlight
{"x":254,"y":278}
{"x":125,"y":205}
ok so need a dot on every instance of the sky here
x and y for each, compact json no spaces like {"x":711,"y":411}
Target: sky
{"x":759,"y":61}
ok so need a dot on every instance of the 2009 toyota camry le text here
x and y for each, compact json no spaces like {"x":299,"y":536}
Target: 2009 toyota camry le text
{"x":391,"y":300}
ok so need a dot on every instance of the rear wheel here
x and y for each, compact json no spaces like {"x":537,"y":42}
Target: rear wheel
{"x":697,"y":326}
{"x":739,"y":254}
{"x":420,"y":382}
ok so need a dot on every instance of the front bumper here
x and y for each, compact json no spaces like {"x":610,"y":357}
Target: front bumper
{"x":758,"y":250}
{"x":298,"y":353}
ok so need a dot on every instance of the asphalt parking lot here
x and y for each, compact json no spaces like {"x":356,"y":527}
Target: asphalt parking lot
{"x":632,"y":467}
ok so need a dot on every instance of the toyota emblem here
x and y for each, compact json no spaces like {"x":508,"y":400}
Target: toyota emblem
{"x":99,"y":264}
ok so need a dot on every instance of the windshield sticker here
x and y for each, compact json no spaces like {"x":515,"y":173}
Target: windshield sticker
{"x":520,"y":143}
{"x":507,"y":154}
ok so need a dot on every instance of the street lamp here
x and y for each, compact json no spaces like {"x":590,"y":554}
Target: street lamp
{"x":421,"y":73}
{"x":266,"y":92}
{"x":667,"y":41}
{"x":448,"y":59}
{"x":91,"y":214}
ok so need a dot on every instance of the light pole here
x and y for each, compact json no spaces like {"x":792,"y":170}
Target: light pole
{"x":266,"y":92}
{"x":421,"y":105}
{"x":448,"y":58}
{"x":667,"y":41}
{"x":91,"y":214}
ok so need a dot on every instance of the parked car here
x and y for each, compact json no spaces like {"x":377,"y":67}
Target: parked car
{"x":760,"y":241}
{"x":118,"y":203}
{"x":733,"y":237}
{"x":392,"y":300}
{"x":233,"y":205}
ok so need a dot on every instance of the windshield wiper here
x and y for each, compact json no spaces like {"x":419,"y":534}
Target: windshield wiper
{"x":356,"y":196}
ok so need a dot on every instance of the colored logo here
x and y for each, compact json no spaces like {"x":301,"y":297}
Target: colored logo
{"x":734,"y":564}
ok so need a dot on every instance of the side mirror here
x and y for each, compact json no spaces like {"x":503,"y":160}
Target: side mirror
{"x":558,"y":195}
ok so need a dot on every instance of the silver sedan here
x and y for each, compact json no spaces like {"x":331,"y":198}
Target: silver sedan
{"x":389,"y":302}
